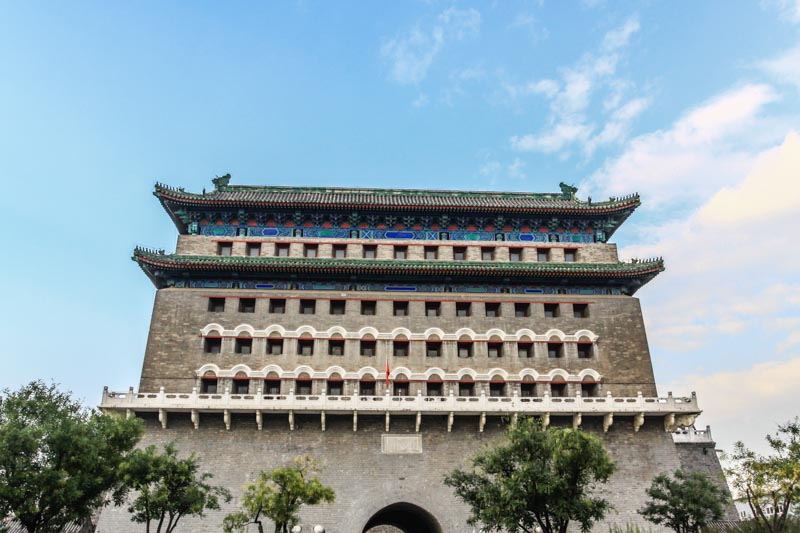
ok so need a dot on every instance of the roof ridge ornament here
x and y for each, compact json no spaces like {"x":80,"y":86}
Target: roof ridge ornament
{"x":568,"y":191}
{"x":221,"y":181}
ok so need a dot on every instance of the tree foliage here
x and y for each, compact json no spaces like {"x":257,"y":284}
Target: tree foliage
{"x":685,"y":503}
{"x":278,"y":496}
{"x":540,"y":477}
{"x":769,"y":480}
{"x":58,"y":460}
{"x":168,"y":488}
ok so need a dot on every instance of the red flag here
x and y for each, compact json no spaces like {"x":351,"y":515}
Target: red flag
{"x":387,"y":371}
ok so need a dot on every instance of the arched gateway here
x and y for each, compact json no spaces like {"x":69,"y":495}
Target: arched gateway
{"x":406,"y":517}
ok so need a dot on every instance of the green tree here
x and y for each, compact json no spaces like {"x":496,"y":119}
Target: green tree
{"x":58,"y":460}
{"x":540,"y":477}
{"x":769,"y":480}
{"x":168,"y":488}
{"x":278,"y":496}
{"x":685,"y":503}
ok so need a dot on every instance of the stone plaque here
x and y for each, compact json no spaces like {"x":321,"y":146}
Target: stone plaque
{"x":401,"y":444}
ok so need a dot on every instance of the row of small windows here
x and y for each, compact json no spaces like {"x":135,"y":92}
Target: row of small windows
{"x":367,"y":387}
{"x":370,"y":251}
{"x":400,"y":348}
{"x":399,"y":308}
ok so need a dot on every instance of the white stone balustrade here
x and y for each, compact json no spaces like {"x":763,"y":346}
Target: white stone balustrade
{"x":677,"y":411}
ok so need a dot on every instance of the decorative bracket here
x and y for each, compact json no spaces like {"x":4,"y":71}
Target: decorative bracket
{"x":608,"y":420}
{"x":291,"y":420}
{"x":387,"y":421}
{"x":259,"y":420}
{"x":419,"y":420}
{"x":482,"y":423}
{"x":638,"y":421}
{"x":355,"y":420}
{"x":545,"y":420}
{"x":576,"y":420}
{"x":196,"y":418}
{"x":322,"y":420}
{"x":162,"y":417}
{"x":450,"y":422}
{"x":226,"y":415}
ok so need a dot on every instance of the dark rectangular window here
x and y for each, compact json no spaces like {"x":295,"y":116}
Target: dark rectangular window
{"x":464,"y":350}
{"x":366,"y":388}
{"x":570,"y":255}
{"x":305,"y":347}
{"x":368,"y":307}
{"x":367,"y":348}
{"x":580,"y":310}
{"x":495,"y":350}
{"x":241,"y":386}
{"x":308,"y":307}
{"x":208,"y":385}
{"x":244,"y":346}
{"x":247,"y":305}
{"x":303,"y":387}
{"x":212,"y":345}
{"x":466,"y":388}
{"x":558,"y":390}
{"x":543,"y":255}
{"x":401,"y":388}
{"x":525,"y":349}
{"x":336,"y":347}
{"x":400,"y":308}
{"x":433,"y":308}
{"x":433,"y":349}
{"x":339,"y":251}
{"x":225,"y":248}
{"x":431,"y":252}
{"x":277,"y":306}
{"x":274,"y":346}
{"x":463,"y":309}
{"x":216,"y":305}
{"x":282,"y":250}
{"x":492,"y":309}
{"x":434,"y":388}
{"x":555,"y":350}
{"x":515,"y":255}
{"x":551,"y":311}
{"x":522,"y":310}
{"x":497,"y":389}
{"x":338,"y":307}
{"x":335,"y":387}
{"x":370,"y":252}
{"x":242,"y":232}
{"x":253,"y":249}
{"x":527,"y":390}
{"x":589,"y":389}
{"x":310,"y":250}
{"x":459,"y":253}
{"x":401,"y":252}
{"x":487,"y":254}
{"x":400,"y":348}
{"x":272,"y":387}
{"x":584,"y":350}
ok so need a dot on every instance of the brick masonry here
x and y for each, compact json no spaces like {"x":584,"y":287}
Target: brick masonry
{"x":365,"y":480}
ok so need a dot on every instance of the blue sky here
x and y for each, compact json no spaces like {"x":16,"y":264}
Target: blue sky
{"x":694,"y":105}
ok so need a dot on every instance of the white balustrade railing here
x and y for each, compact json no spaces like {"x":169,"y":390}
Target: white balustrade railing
{"x":314,"y":403}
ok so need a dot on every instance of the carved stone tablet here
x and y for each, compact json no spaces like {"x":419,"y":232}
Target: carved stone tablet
{"x":401,"y":444}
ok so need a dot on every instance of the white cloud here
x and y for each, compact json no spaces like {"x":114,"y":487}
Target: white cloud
{"x":699,"y":153}
{"x":420,"y":101}
{"x":789,"y":10}
{"x":746,"y":404}
{"x":412,"y":53}
{"x":570,"y":100}
{"x":786,"y":67}
{"x":740,"y":231}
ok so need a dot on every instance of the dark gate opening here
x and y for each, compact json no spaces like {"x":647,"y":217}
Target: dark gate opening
{"x":406,"y":517}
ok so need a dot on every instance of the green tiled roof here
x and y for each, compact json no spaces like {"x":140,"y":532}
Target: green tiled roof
{"x":251,"y":196}
{"x":643,"y":271}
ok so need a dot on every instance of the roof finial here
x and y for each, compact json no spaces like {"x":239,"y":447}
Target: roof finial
{"x":221,"y":181}
{"x":568,"y":191}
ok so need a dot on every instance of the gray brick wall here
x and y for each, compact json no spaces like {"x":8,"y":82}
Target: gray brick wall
{"x":365,"y":480}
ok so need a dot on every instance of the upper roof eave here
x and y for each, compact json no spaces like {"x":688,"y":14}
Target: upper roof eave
{"x":260,"y":197}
